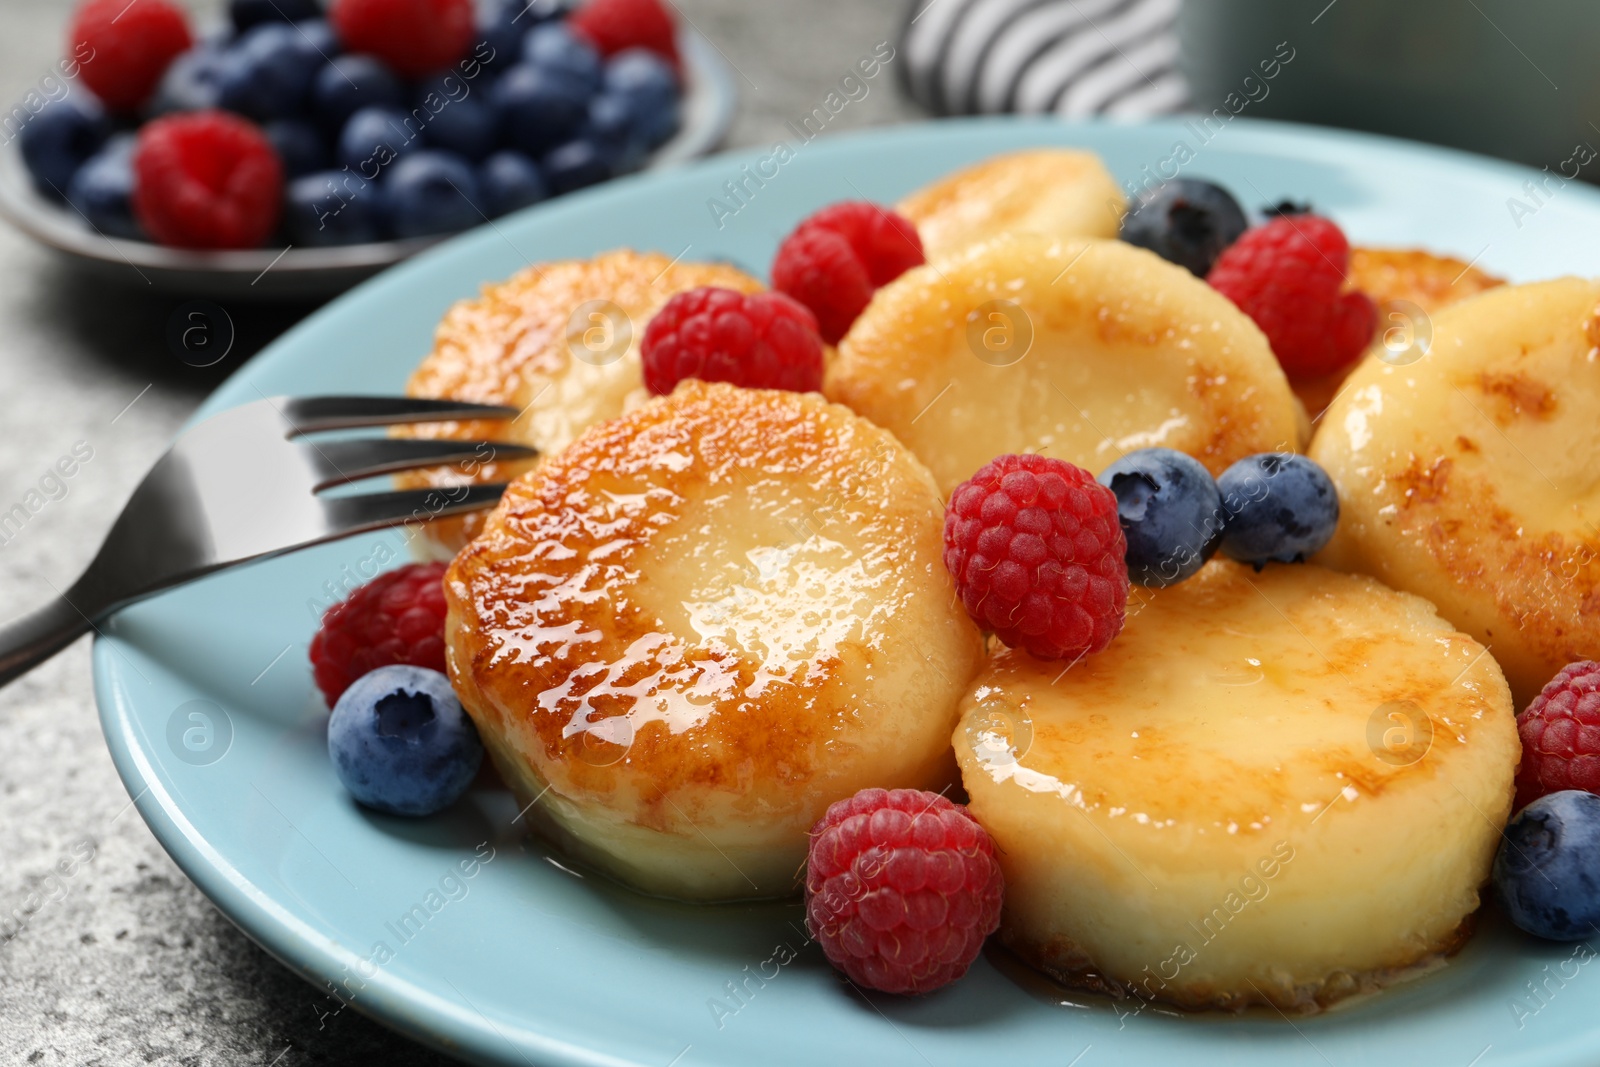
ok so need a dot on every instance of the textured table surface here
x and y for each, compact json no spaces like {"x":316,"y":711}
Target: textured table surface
{"x":121,"y":959}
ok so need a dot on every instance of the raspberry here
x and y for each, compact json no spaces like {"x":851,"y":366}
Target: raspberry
{"x":615,"y":25}
{"x":901,"y":889}
{"x":415,"y":37}
{"x":206,"y":179}
{"x":834,"y":261}
{"x":398,"y":617}
{"x":759,"y":341}
{"x":1560,"y":734}
{"x":1287,"y":274}
{"x":125,"y":48}
{"x":1038,"y":556}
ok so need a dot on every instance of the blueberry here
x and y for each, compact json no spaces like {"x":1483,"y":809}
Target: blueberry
{"x":102,"y":189}
{"x":430,"y":192}
{"x":318,"y":36}
{"x":347,"y":84}
{"x":613,"y":124}
{"x":503,"y":26}
{"x":298,"y":144}
{"x":510,"y":180}
{"x":1548,"y":866}
{"x":1187,"y":222}
{"x":400,"y":742}
{"x":247,"y":13}
{"x":554,"y":48}
{"x":1171,"y":513}
{"x":375,"y":137}
{"x":466,"y":127}
{"x":538,"y":109}
{"x":267,"y":73}
{"x":192,"y":82}
{"x":575,"y":165}
{"x":1280,"y":506}
{"x":333,"y":207}
{"x":646,"y":81}
{"x":58,"y":139}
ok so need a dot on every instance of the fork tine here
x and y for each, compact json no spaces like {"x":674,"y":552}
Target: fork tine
{"x":352,"y":514}
{"x":313,"y":414}
{"x":364,"y":457}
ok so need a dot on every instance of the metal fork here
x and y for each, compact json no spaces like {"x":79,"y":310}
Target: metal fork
{"x":242,"y":486}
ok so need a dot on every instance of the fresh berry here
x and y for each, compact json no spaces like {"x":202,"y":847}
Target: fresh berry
{"x":319,"y":36}
{"x":206,"y":179}
{"x":1038,"y":556}
{"x":333,"y":207}
{"x":465,"y":125}
{"x":1171,"y":514}
{"x":300,"y":148}
{"x":510,"y":180}
{"x":131,"y":45}
{"x":102,"y":189}
{"x":374,"y":137}
{"x":501,"y":27}
{"x":615,"y":125}
{"x":1186,"y":221}
{"x":60,"y":138}
{"x":401,"y":743}
{"x":613,"y":25}
{"x":834,"y":261}
{"x":574,"y":165}
{"x":554,"y":48}
{"x":758,"y":340}
{"x":1560,"y":734}
{"x":1280,"y":507}
{"x":537,"y":109}
{"x":415,"y":37}
{"x":398,"y":617}
{"x":431,"y":192}
{"x":269,"y":71}
{"x":346,"y":84}
{"x":1548,"y":866}
{"x":1288,"y":275}
{"x":650,"y":87}
{"x":247,"y":13}
{"x":902,"y":887}
{"x":193,"y":81}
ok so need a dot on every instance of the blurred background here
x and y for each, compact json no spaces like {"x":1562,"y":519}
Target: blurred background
{"x":125,"y":961}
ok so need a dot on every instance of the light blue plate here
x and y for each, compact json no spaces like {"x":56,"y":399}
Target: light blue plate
{"x":526,"y":962}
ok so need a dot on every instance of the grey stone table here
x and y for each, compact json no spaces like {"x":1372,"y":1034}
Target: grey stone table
{"x":108,"y":954}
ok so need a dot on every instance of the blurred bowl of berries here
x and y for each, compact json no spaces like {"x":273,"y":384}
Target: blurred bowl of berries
{"x":308,"y":144}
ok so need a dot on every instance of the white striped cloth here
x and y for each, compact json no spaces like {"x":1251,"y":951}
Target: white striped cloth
{"x":1072,"y":57}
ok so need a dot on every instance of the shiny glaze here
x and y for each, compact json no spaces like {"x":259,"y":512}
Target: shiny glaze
{"x":511,"y":345}
{"x":1054,"y":192}
{"x":1472,"y":476}
{"x":1231,"y":721}
{"x":1128,"y":351}
{"x":712,"y":617}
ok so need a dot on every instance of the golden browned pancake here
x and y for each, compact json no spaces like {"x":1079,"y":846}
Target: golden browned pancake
{"x":560,"y":341}
{"x":1082,"y":350}
{"x":1054,"y":192}
{"x":687,"y":634}
{"x":1471,"y":476}
{"x":1284,"y":787}
{"x":1398,"y":280}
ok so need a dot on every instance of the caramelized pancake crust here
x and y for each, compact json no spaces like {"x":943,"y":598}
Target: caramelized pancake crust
{"x":1111,"y":349}
{"x":704,"y":622}
{"x":1281,"y":787}
{"x":1472,"y":476}
{"x":1053,"y":192}
{"x":529,"y":343}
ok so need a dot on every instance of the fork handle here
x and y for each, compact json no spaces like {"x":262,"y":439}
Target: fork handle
{"x":34,"y":638}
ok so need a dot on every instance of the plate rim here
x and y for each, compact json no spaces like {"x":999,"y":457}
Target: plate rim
{"x":402,"y":1005}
